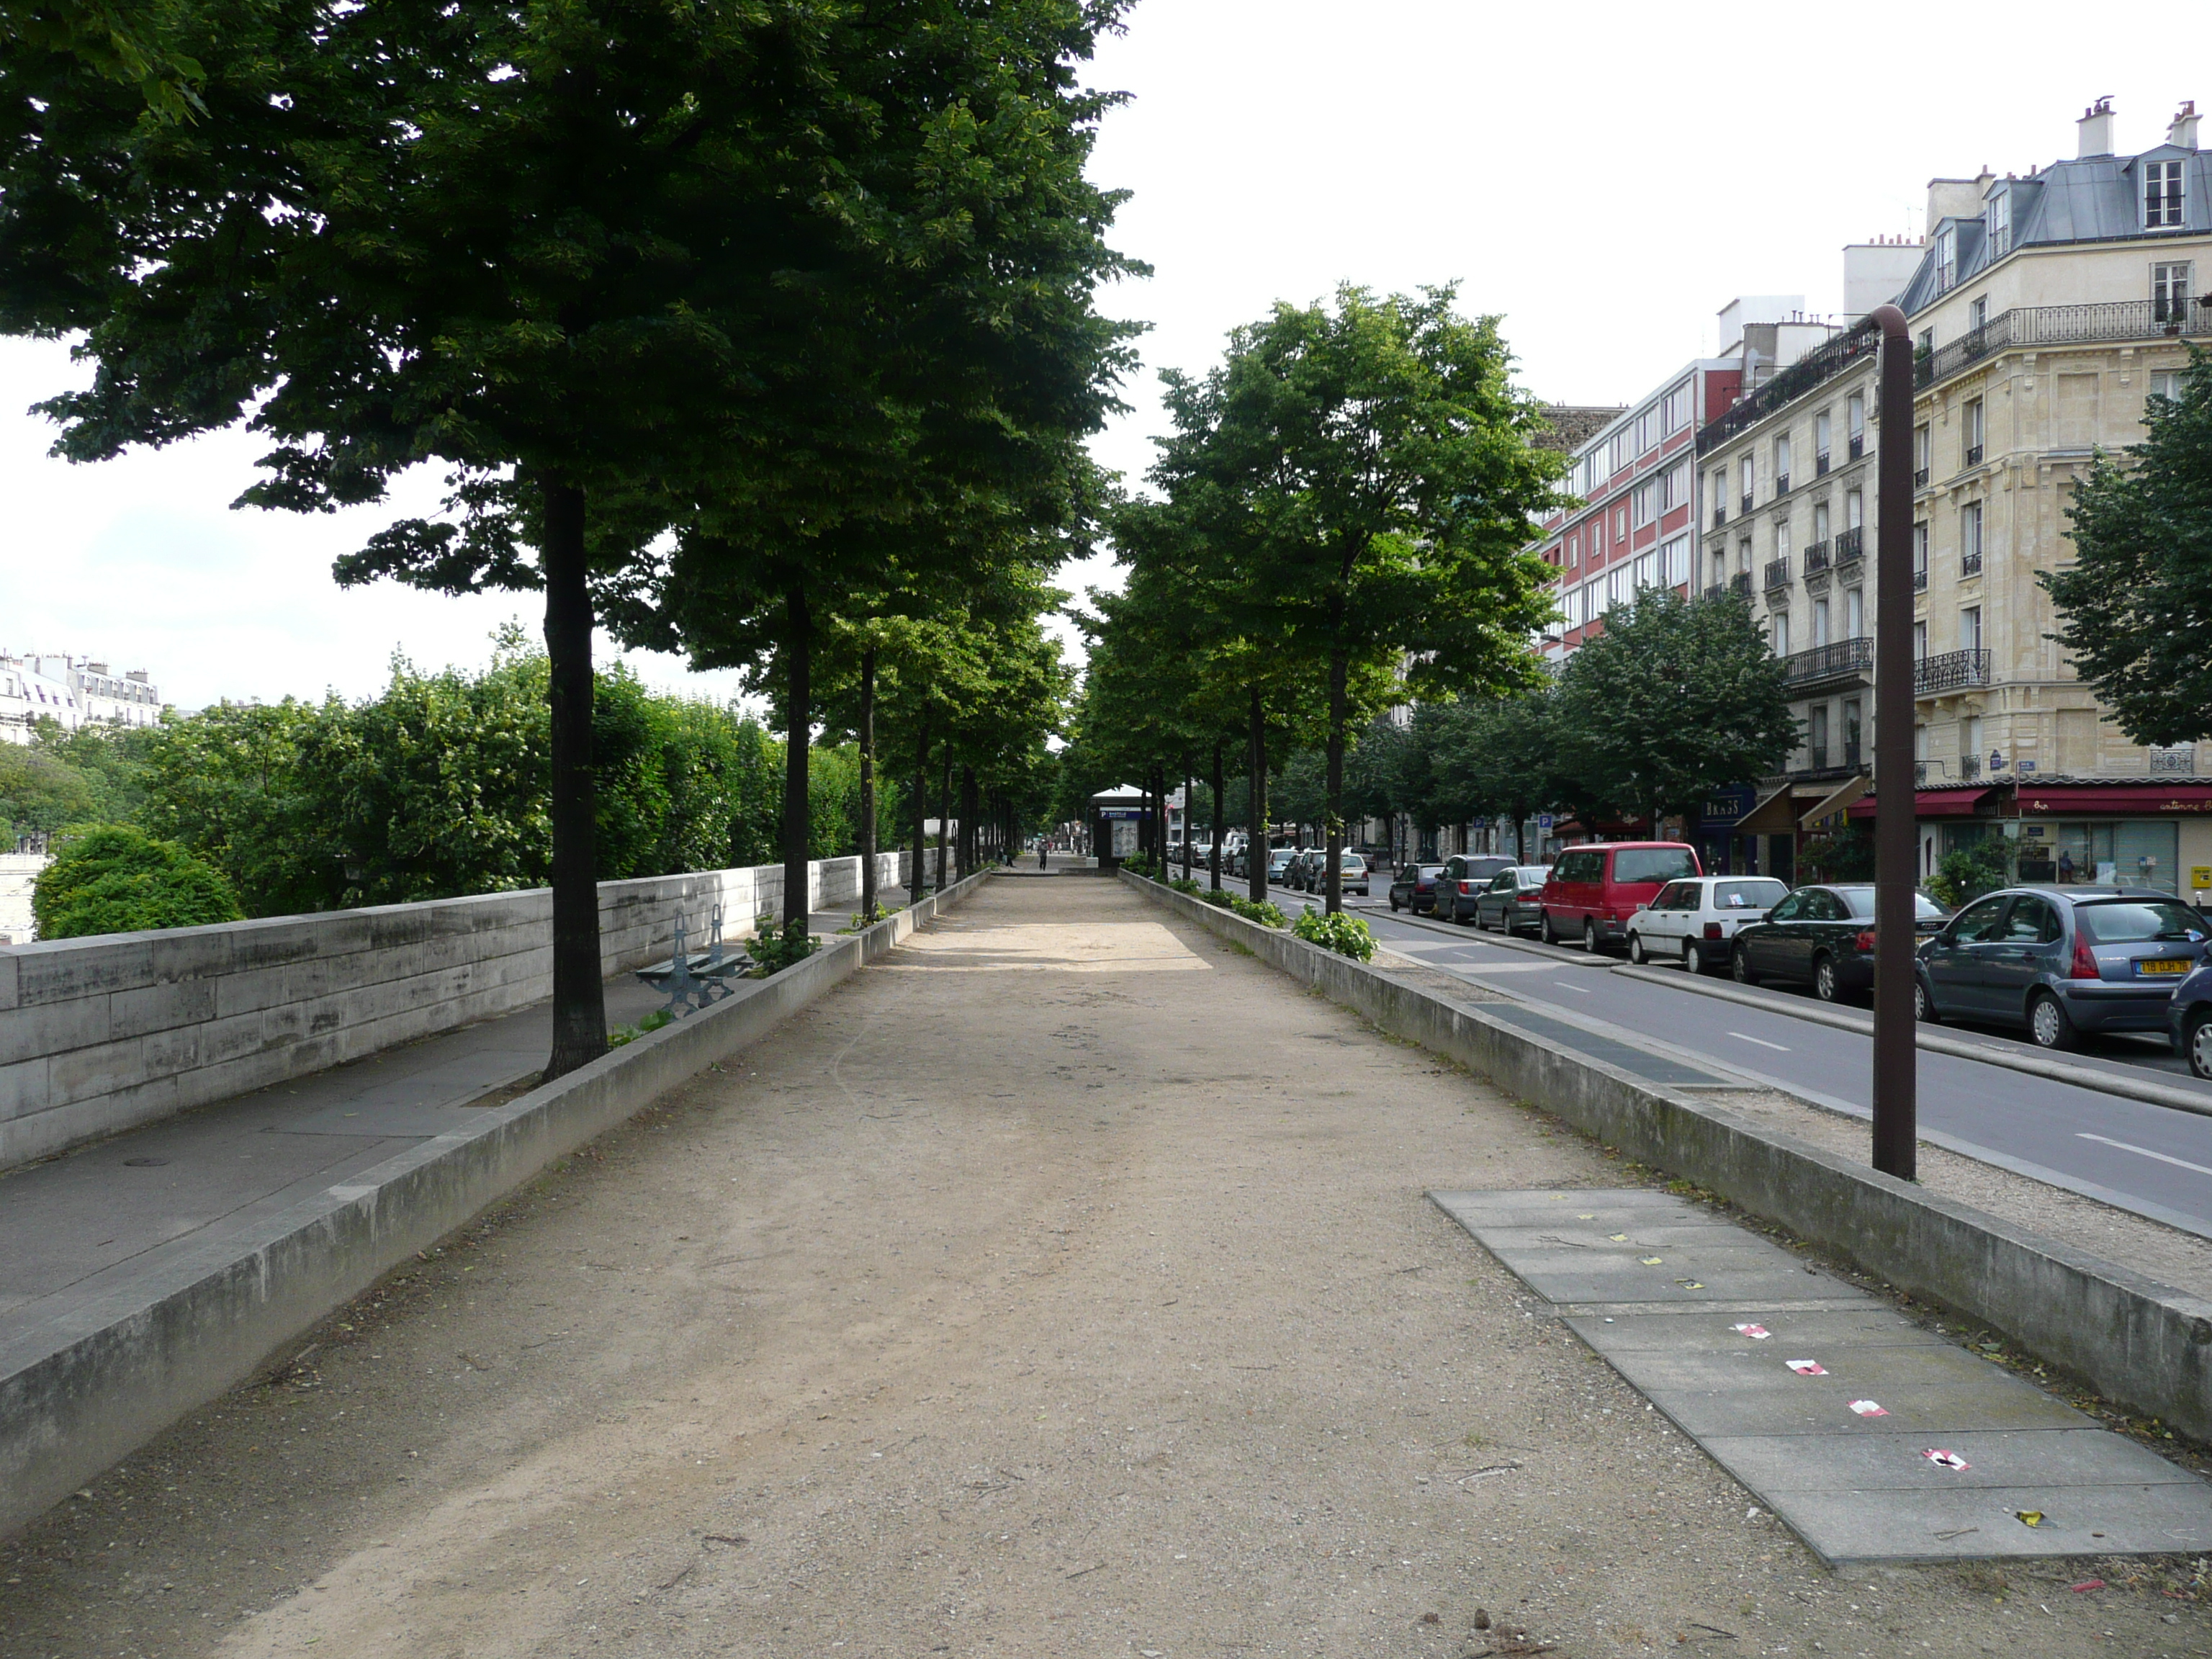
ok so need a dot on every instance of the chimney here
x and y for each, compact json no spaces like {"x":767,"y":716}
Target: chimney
{"x":2182,"y":133}
{"x":2096,"y":128}
{"x":1953,"y":198}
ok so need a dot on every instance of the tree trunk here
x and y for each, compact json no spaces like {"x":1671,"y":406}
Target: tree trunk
{"x":1255,"y":864}
{"x":945,"y":817}
{"x":968,"y":824}
{"x":1188,"y":819}
{"x":1521,"y":837}
{"x":1213,"y":852}
{"x":917,"y":875}
{"x":867,"y":786}
{"x":799,"y":722}
{"x":1338,"y":674}
{"x":580,"y":1003}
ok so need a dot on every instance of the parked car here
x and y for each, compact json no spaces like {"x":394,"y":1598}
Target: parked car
{"x":1594,"y":890}
{"x":1823,"y":936}
{"x":2062,"y":960}
{"x":1465,"y":874}
{"x":1693,"y":920}
{"x":1279,"y":865}
{"x":1414,"y":887}
{"x":2189,"y":1019}
{"x":1513,"y":900}
{"x":1351,"y":874}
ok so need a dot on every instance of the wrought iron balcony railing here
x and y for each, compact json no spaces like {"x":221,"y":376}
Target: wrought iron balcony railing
{"x":1952,"y":671}
{"x":1858,"y":445}
{"x":1777,"y":573}
{"x":2040,"y":326}
{"x":1719,"y":513}
{"x":1746,"y":504}
{"x":1781,"y":485}
{"x":1816,"y":557}
{"x":1920,"y":477}
{"x":1920,"y":579}
{"x":1717,"y":590}
{"x":1973,"y":455}
{"x":1851,"y":545}
{"x":1820,"y":465}
{"x":1740,"y":582}
{"x":1970,"y":766}
{"x":1970,"y":565}
{"x":1816,"y":368}
{"x":1838,"y":660}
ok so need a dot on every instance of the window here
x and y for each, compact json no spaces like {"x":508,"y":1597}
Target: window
{"x":1855,"y":613}
{"x":1744,"y":472}
{"x":1676,"y":556}
{"x":1782,"y":538}
{"x":1616,"y":586}
{"x":1819,"y":622}
{"x":1925,"y":346}
{"x":2161,"y":195}
{"x":1647,"y":572}
{"x":2169,"y":293}
{"x":1970,"y":538}
{"x":1978,"y":312}
{"x":1646,"y":500}
{"x":1675,"y":410}
{"x":1623,"y":448}
{"x":2166,"y":383}
{"x":1720,"y":496}
{"x":1919,"y":557}
{"x":2000,"y":223}
{"x":1743,"y":556}
{"x":1590,"y":475}
{"x":1673,"y":488}
{"x":1782,"y":464}
{"x":1920,"y":653}
{"x":1854,"y":510}
{"x":1620,"y":526}
{"x":1854,"y":730}
{"x":1816,"y":737}
{"x":1647,"y":429}
{"x":1820,"y":522}
{"x":1920,"y":449}
{"x":1970,"y":637}
{"x":1947,"y":258}
{"x":1855,"y":422}
{"x":1782,"y":633}
{"x":1821,"y":425}
{"x":1651,"y":864}
{"x":1970,"y":433}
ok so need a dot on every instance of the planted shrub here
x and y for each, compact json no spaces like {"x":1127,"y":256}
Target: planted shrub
{"x":773,"y":949}
{"x":116,"y":879}
{"x":1346,"y":935}
{"x":1217,"y":896}
{"x":1265,"y":914}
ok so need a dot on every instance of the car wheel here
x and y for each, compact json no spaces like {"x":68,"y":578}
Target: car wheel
{"x":2197,"y":1043}
{"x":1693,"y":956}
{"x":1825,"y":985}
{"x":2051,"y":1025}
{"x":1923,"y":1005}
{"x":1740,"y":967}
{"x":1636,"y":949}
{"x":1393,"y":906}
{"x":1545,"y":931}
{"x":1589,"y":936}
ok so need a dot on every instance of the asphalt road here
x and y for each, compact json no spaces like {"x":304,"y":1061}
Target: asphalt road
{"x":2154,"y":1160}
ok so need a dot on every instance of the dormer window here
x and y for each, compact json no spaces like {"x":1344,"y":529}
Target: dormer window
{"x":2161,"y":195}
{"x":1999,"y":216}
{"x":1947,"y":258}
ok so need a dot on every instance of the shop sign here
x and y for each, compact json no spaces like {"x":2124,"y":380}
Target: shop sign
{"x":1726,"y":806}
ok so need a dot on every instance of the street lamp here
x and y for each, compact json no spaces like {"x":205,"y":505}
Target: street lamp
{"x":1896,"y":1082}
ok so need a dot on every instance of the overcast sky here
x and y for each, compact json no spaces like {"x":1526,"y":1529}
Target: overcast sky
{"x":1604,"y":177}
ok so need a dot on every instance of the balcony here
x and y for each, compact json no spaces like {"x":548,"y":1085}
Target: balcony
{"x":1853,"y":757}
{"x":1816,"y":368}
{"x":1741,"y":583}
{"x":1920,"y":477}
{"x":1920,"y":579}
{"x":1970,"y":565}
{"x":1851,"y":545}
{"x":1973,"y":455}
{"x":1837,"y":661}
{"x":1970,"y":766}
{"x":1952,"y":670}
{"x":1781,"y":485}
{"x":1777,"y":573}
{"x":1858,"y":447}
{"x":1820,"y":465}
{"x":1717,"y":590}
{"x":1746,"y":507}
{"x":1816,"y":558}
{"x":2042,"y":326}
{"x":1719,"y":513}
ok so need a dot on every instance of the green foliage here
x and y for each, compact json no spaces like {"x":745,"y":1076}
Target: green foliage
{"x":864,"y":919}
{"x":1847,"y":854}
{"x":651,"y":1022}
{"x":1182,"y":886}
{"x":1220,"y":897}
{"x":1142,"y":864}
{"x":1346,"y":935}
{"x":39,"y":794}
{"x":1964,"y":874}
{"x":773,"y":949}
{"x":1265,"y":913}
{"x":117,"y":879}
{"x":2135,"y":607}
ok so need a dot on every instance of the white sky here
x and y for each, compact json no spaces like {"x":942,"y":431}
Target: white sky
{"x":1605,"y":176}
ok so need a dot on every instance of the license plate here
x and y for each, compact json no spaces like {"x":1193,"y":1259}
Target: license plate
{"x":2163,"y":966}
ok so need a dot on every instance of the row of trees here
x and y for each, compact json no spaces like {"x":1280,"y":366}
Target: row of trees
{"x":765,"y":333}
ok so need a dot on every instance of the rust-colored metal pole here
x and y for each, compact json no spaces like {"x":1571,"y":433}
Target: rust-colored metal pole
{"x":1896,"y":1059}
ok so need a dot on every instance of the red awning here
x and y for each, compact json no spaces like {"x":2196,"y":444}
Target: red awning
{"x":1931,"y":804}
{"x":2146,"y":798}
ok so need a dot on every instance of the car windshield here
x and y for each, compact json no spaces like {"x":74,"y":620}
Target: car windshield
{"x":1654,"y":864}
{"x":1861,"y":899}
{"x":1352,"y":862}
{"x":2131,"y":921}
{"x":1747,"y":894}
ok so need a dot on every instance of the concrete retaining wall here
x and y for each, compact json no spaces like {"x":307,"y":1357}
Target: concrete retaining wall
{"x":2145,"y":1345}
{"x":81,"y":1391}
{"x":105,"y":1034}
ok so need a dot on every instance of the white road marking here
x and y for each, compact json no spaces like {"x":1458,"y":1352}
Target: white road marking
{"x":1761,"y":1041}
{"x":2145,"y":1152}
{"x":1579,"y":990}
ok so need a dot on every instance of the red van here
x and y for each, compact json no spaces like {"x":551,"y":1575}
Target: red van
{"x":1593,"y":891}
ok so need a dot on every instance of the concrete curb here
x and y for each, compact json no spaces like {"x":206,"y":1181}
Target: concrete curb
{"x":89,"y":1385}
{"x":2144,"y":1345}
{"x":2035,"y":1065}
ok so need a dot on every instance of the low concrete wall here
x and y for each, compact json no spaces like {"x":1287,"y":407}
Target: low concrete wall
{"x":105,"y":1034}
{"x":2144,"y":1345}
{"x":86,"y":1388}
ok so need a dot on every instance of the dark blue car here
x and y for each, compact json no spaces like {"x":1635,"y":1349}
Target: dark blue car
{"x":2062,"y":960}
{"x":2189,"y":1020}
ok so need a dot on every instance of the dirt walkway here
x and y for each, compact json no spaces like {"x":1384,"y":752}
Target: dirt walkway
{"x":1063,"y":1285}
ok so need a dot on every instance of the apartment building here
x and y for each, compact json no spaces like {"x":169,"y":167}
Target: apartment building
{"x":2046,"y":310}
{"x":72,"y":692}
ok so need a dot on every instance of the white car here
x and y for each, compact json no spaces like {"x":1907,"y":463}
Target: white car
{"x":1693,"y":919}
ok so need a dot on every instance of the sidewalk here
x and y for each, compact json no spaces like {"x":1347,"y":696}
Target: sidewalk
{"x":75,"y":1227}
{"x":1064,"y":1283}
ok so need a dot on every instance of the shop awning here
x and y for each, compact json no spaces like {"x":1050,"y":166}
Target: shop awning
{"x":2134,"y":800}
{"x":1836,"y":800}
{"x":1776,"y":814}
{"x":1933,"y":803}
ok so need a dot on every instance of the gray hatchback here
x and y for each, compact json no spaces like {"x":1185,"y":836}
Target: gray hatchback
{"x":2062,"y":960}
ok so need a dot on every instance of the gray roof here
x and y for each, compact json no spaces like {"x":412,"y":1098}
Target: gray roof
{"x":2097,"y":199}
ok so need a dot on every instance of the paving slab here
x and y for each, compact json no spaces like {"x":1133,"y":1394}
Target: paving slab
{"x":1670,"y":1295}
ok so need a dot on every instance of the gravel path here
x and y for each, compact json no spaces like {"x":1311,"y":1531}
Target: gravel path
{"x":1062,"y":1285}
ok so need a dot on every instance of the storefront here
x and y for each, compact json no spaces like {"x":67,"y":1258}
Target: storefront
{"x":2093,"y":833}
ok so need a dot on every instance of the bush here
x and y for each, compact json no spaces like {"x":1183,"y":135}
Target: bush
{"x":1346,"y":935}
{"x":1182,"y":886}
{"x":651,"y":1022}
{"x":1219,"y":896}
{"x":114,"y":879}
{"x":1141,"y":865}
{"x":773,"y":949}
{"x":1964,"y":874}
{"x":1265,"y":914}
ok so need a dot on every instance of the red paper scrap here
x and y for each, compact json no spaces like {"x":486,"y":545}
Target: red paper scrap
{"x":1806,"y":1367}
{"x":1868,"y":1408}
{"x":1945,"y":1460}
{"x":2087,"y":1584}
{"x":1756,"y":1333}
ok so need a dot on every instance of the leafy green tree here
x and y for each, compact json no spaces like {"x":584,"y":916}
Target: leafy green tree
{"x":40,"y":793}
{"x":115,"y":879}
{"x":2136,"y":606}
{"x":1674,"y":699}
{"x":130,"y":43}
{"x":1370,"y":472}
{"x":227,"y":784}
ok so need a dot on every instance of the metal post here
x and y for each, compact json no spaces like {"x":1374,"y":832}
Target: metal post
{"x":1896,"y":1103}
